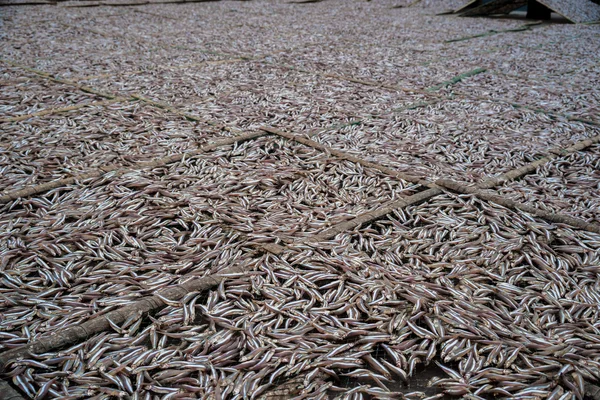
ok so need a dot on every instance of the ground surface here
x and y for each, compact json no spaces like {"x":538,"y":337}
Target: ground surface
{"x":493,"y":300}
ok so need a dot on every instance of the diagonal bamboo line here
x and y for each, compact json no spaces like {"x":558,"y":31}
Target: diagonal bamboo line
{"x":8,"y":393}
{"x":456,"y":79}
{"x":111,"y":96}
{"x":172,"y":109}
{"x":442,"y":97}
{"x":343,"y":155}
{"x":49,"y":111}
{"x":532,"y":166}
{"x":435,"y":188}
{"x":52,"y":78}
{"x":27,"y":3}
{"x":117,"y":170}
{"x":515,"y":205}
{"x":78,"y":333}
{"x":370,"y":216}
{"x":182,"y":66}
{"x":524,"y":27}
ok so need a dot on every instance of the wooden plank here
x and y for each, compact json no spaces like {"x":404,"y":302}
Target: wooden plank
{"x":576,"y":11}
{"x":8,"y":393}
{"x":125,"y":3}
{"x":495,"y":7}
{"x":470,"y":4}
{"x":558,"y":218}
{"x":4,"y":3}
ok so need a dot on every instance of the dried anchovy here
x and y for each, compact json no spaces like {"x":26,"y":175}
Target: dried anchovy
{"x":76,"y":253}
{"x":501,"y":303}
{"x":506,"y":304}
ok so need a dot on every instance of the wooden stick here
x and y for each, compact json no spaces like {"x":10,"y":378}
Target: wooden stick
{"x":8,"y":393}
{"x":456,"y":79}
{"x":52,"y":78}
{"x":119,"y":170}
{"x":503,"y":201}
{"x":27,"y":3}
{"x":371,"y":216}
{"x":172,"y":109}
{"x":49,"y":111}
{"x":343,"y":155}
{"x":532,"y":166}
{"x":77,"y":333}
{"x":521,"y":28}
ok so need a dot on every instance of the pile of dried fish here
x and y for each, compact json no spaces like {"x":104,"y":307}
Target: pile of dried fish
{"x":496,"y":303}
{"x":43,"y":149}
{"x":78,"y":252}
{"x":505,"y":304}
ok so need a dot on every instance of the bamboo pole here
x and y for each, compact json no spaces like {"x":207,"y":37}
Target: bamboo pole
{"x":343,"y":155}
{"x":52,"y":78}
{"x":435,"y":187}
{"x":77,"y":333}
{"x":532,"y":166}
{"x":457,"y":79}
{"x":7,"y":392}
{"x":119,"y":170}
{"x":49,"y":111}
{"x":505,"y":202}
{"x":371,"y":216}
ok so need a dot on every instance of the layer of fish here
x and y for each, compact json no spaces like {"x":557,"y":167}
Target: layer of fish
{"x":51,"y":147}
{"x":466,"y":140}
{"x":248,"y":94}
{"x":24,"y":93}
{"x":153,"y":228}
{"x":569,"y":185}
{"x":505,"y":304}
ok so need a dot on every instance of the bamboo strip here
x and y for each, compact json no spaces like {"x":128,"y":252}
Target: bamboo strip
{"x":521,"y":28}
{"x":49,"y":111}
{"x":547,"y":215}
{"x":456,"y":79}
{"x":343,"y":155}
{"x":119,"y":170}
{"x":52,"y":78}
{"x":172,"y":109}
{"x":371,"y":216}
{"x":26,"y":3}
{"x":532,"y":166}
{"x":77,"y":333}
{"x":8,"y":393}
